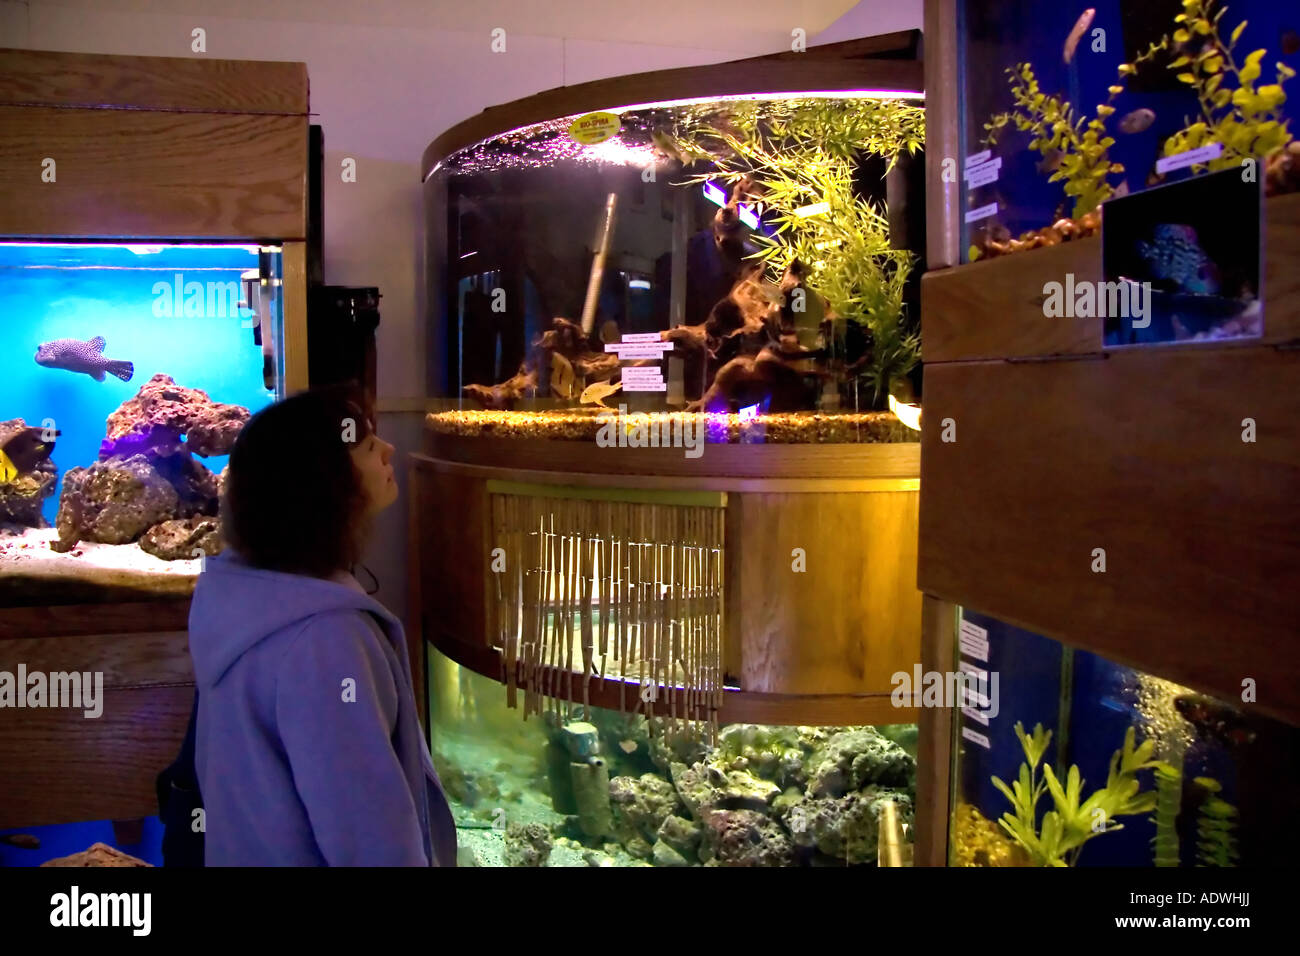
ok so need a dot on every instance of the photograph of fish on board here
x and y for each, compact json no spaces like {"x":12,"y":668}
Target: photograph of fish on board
{"x":1183,"y":261}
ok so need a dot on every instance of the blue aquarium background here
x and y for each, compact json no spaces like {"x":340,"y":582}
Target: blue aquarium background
{"x":127,"y":295}
{"x":998,"y":34}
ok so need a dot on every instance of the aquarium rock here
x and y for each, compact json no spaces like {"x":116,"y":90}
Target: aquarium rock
{"x":22,"y":499}
{"x":527,"y":844}
{"x":854,"y":758}
{"x":640,"y":806}
{"x":682,"y":835}
{"x":162,"y":411}
{"x":179,"y":538}
{"x":112,"y":502}
{"x":664,"y":855}
{"x":98,"y":854}
{"x":744,"y":838}
{"x":846,"y":828}
{"x":197,"y":488}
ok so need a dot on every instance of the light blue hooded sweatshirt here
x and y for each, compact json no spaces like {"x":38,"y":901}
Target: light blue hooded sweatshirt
{"x":308,"y":747}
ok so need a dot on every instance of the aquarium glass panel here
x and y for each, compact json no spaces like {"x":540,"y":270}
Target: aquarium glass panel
{"x":732,"y":264}
{"x":1215,"y":784}
{"x":135,"y":366}
{"x":587,"y":786}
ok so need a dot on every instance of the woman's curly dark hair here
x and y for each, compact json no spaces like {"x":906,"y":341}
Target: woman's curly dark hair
{"x":293,"y":500}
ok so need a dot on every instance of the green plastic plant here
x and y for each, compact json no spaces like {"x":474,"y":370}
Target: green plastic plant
{"x":1244,"y":117}
{"x":1169,"y":796}
{"x":1216,"y":844}
{"x":1065,"y":829}
{"x":1080,"y":145}
{"x":805,"y":153}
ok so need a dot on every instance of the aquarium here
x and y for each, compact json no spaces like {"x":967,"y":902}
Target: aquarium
{"x":1068,"y":109}
{"x":134,"y":368}
{"x":589,"y":786}
{"x":741,"y":268}
{"x":1080,"y":761}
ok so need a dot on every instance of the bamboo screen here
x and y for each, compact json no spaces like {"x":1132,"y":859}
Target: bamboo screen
{"x":595,"y":584}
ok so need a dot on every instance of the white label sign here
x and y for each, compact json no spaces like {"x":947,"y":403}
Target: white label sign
{"x":976,"y":159}
{"x":645,"y":386}
{"x":975,"y":737}
{"x":639,"y":349}
{"x":1190,"y":158}
{"x":975,"y":715}
{"x":988,"y":173}
{"x":983,"y":212}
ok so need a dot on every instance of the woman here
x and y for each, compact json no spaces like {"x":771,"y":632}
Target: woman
{"x":309,"y":751}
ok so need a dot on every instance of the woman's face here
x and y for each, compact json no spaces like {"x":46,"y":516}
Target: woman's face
{"x":372,"y":458}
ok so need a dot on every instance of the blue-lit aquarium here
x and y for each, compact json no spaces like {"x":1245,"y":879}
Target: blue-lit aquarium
{"x":1167,"y":776}
{"x":133,"y":369}
{"x":1070,"y":111}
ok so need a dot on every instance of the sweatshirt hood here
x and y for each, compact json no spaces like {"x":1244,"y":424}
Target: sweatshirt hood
{"x":236,"y":606}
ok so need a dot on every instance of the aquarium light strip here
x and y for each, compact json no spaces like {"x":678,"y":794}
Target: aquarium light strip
{"x":714,"y":194}
{"x":747,"y":215}
{"x":137,"y":245}
{"x":801,"y":95}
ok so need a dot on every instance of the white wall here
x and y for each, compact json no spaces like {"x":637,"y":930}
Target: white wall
{"x":387,"y":76}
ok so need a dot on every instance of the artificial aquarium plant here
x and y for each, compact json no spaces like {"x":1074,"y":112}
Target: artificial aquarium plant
{"x":1216,"y":845}
{"x":1075,"y":148}
{"x":1169,"y":795}
{"x":1065,"y":829}
{"x":1245,"y":118}
{"x":802,"y":158}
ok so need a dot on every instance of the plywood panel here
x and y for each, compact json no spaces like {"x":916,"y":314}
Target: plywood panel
{"x":107,"y":618}
{"x":852,"y":618}
{"x":152,"y":82}
{"x":165,"y":175}
{"x":993,"y":309}
{"x":1141,"y":454}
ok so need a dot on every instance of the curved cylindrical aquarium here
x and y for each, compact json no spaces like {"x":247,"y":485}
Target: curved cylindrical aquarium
{"x":662,"y":493}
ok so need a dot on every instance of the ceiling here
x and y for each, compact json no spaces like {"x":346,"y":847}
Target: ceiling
{"x":740,"y":25}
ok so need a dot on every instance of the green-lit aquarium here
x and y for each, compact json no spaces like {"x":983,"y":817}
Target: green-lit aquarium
{"x":1084,"y":762}
{"x":589,"y":786}
{"x":133,"y":368}
{"x":746,"y":266}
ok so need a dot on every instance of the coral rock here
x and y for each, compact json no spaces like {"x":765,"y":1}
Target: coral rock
{"x":180,"y":538}
{"x":113,"y":502}
{"x":99,"y":854}
{"x":745,"y":838}
{"x":21,"y":500}
{"x":681,"y":834}
{"x":641,"y":804}
{"x":162,"y":411}
{"x":527,"y":844}
{"x":664,"y":855}
{"x":846,"y":828}
{"x":854,"y":758}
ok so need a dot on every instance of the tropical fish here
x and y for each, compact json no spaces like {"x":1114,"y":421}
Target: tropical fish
{"x":24,"y":450}
{"x":26,"y":841}
{"x":1213,"y":719}
{"x":1050,"y":162}
{"x":1137,"y":121}
{"x":1076,"y":34}
{"x":1290,"y":42}
{"x":598,"y":392}
{"x":76,"y":356}
{"x":562,"y":378}
{"x":1175,"y":255}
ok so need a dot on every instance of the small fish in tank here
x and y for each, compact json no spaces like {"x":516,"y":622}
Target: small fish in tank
{"x":86,"y":357}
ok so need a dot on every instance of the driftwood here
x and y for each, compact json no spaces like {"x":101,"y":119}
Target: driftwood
{"x":565,"y":339}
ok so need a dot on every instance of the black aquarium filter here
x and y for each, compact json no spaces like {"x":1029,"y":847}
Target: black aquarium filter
{"x":341,"y":324}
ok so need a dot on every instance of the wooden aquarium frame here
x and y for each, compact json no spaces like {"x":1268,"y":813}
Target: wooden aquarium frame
{"x":1064,"y":445}
{"x":145,"y":149}
{"x":853,"y":512}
